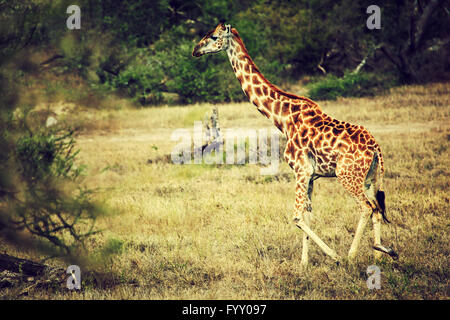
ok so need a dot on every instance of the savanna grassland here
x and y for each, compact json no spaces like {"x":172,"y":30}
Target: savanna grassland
{"x":225,"y":231}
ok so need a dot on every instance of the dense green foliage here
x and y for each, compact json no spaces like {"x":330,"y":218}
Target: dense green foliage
{"x":142,"y":48}
{"x":45,"y":167}
{"x":349,"y":85}
{"x":40,"y":185}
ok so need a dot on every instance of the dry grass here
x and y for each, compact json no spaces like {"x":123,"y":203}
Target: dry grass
{"x":225,"y":232}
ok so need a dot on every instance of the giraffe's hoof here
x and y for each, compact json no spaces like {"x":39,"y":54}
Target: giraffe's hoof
{"x":297,"y":222}
{"x":393,"y":254}
{"x":389,"y":251}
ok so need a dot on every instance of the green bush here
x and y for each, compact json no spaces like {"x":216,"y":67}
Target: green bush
{"x":142,"y":81}
{"x":174,"y":70}
{"x":52,"y":203}
{"x":350,"y":85}
{"x":208,"y":78}
{"x":43,"y":154}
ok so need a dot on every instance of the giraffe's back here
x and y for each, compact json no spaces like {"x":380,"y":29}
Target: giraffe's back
{"x":330,"y":142}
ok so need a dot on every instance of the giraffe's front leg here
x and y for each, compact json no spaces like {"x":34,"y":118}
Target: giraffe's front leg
{"x":305,"y":248}
{"x":302,"y":210}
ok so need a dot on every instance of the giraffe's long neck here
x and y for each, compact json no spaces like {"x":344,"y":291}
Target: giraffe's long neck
{"x":272,"y":102}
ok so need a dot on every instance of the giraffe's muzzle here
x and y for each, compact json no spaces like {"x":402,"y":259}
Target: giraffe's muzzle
{"x":195,"y":52}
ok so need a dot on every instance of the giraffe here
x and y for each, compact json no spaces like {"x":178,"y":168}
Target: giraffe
{"x":317,"y":145}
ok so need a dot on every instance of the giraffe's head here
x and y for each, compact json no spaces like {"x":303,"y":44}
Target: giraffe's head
{"x":214,"y":41}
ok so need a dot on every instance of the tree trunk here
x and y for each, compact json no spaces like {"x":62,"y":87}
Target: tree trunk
{"x":402,"y":60}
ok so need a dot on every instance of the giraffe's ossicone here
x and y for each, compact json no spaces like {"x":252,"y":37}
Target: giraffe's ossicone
{"x":317,"y":145}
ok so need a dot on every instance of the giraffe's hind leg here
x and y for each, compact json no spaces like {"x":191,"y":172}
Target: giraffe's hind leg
{"x":377,"y":217}
{"x":353,"y":180}
{"x":365,"y":213}
{"x":372,"y":190}
{"x":362,"y":185}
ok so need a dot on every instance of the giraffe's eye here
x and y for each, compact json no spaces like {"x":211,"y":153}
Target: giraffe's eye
{"x":214,"y":38}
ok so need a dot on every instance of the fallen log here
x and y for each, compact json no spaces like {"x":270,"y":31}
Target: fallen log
{"x":18,"y":272}
{"x":23,"y":266}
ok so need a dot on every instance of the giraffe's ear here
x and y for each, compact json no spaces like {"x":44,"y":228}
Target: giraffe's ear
{"x":222,"y":25}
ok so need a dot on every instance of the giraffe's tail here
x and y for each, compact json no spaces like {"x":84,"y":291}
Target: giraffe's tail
{"x":380,"y":195}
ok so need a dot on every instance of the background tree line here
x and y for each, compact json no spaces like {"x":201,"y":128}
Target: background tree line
{"x":142,"y":48}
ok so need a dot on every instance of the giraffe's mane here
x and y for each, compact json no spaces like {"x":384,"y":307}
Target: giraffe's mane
{"x":255,"y":68}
